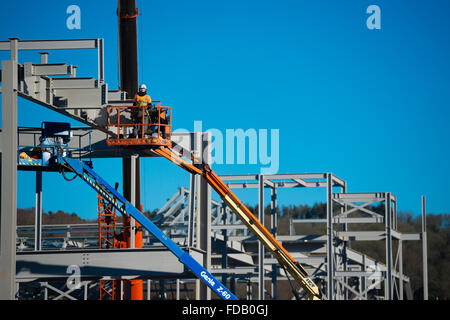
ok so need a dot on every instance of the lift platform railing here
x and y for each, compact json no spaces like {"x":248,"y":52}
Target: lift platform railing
{"x":150,"y":125}
{"x":110,"y":194}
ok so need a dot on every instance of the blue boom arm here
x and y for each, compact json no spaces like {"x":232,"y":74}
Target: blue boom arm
{"x":125,"y":207}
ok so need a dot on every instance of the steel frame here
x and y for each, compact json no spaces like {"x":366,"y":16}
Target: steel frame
{"x":174,"y":212}
{"x":241,"y":257}
{"x":339,"y":263}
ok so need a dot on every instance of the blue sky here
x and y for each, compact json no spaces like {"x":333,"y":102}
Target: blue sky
{"x":370,"y":106}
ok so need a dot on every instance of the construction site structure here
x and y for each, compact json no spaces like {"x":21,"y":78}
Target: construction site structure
{"x":324,"y":266}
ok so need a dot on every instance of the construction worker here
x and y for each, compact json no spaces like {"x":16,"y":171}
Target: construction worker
{"x":144,"y":102}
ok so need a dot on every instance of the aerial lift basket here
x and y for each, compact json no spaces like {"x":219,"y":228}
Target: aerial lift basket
{"x":134,"y":125}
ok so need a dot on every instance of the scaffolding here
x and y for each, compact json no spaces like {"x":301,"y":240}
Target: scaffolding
{"x":107,"y":225}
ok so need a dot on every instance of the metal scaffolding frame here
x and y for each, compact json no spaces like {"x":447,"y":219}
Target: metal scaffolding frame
{"x":240,"y":260}
{"x":83,"y":99}
{"x":208,"y":229}
{"x":340,"y":262}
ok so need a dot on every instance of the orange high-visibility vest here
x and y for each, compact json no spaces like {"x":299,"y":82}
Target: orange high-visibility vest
{"x":142,"y":101}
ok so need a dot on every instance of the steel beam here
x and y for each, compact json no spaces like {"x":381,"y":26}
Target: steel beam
{"x":49,"y":69}
{"x":293,"y":180}
{"x":52,"y":44}
{"x":361,"y":235}
{"x":341,"y":220}
{"x":361,"y":196}
{"x":68,"y":44}
{"x":105,"y":264}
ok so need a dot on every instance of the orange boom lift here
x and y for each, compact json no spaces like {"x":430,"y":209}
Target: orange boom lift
{"x":156,"y":136}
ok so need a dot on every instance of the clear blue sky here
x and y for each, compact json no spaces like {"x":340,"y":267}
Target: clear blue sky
{"x":371,"y":106}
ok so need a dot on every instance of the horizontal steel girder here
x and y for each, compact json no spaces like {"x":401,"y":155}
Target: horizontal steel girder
{"x":113,"y":263}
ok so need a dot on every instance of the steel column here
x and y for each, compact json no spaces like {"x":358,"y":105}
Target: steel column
{"x":45,"y":290}
{"x":190,"y":231}
{"x":424,"y":250}
{"x":330,"y":251}
{"x":8,"y":159}
{"x":101,"y":60}
{"x":223,"y":210}
{"x":44,"y":57}
{"x":400,"y":268}
{"x":233,"y":285}
{"x":347,"y":244}
{"x":274,"y":281}
{"x":388,"y":221}
{"x":162,"y":289}
{"x":204,"y":219}
{"x":273,"y":212}
{"x":260,"y":246}
{"x":178,"y":289}
{"x":274,"y":229}
{"x":38,"y":213}
{"x":131,"y":176}
{"x":249,"y":290}
{"x":195,"y":145}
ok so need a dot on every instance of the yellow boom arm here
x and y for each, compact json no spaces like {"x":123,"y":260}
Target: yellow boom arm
{"x":255,"y":226}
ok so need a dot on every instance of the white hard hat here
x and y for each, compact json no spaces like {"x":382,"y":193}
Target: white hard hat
{"x":143,"y":86}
